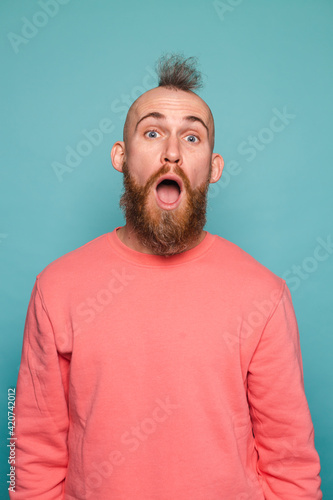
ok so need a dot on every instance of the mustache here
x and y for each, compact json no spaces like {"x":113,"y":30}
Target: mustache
{"x":165,"y":169}
{"x":164,"y":233}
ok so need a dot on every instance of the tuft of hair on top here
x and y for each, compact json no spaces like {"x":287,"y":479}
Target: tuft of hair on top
{"x":177,"y":72}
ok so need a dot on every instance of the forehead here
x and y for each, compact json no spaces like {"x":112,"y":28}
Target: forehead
{"x":171,"y":103}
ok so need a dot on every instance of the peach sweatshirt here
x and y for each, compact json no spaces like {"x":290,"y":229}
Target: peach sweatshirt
{"x":162,"y":378}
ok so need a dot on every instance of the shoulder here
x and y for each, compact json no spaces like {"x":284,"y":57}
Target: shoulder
{"x":75,"y":265}
{"x":240,"y":268}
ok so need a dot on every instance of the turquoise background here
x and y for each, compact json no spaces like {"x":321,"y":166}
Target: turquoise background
{"x":86,"y":62}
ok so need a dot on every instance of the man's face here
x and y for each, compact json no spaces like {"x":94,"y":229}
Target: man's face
{"x":167,"y":168}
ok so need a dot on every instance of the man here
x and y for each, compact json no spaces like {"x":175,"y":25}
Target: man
{"x":161,"y":362}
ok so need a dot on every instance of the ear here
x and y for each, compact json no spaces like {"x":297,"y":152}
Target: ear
{"x":217,"y":167}
{"x":118,"y":155}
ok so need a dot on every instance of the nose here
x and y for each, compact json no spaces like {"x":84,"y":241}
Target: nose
{"x":171,"y":152}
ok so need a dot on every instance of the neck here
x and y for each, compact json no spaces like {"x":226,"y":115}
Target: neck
{"x":127,"y":235}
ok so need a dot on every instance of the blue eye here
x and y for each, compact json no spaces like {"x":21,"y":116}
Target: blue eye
{"x":152,"y":134}
{"x":191,"y":138}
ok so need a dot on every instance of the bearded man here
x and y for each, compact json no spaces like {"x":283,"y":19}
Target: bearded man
{"x":162,"y":362}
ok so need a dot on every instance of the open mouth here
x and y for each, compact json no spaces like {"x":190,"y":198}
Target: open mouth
{"x":168,"y":192}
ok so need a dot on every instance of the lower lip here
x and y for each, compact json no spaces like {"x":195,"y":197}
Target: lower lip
{"x":168,"y":206}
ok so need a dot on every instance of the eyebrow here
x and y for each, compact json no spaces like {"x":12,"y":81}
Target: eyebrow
{"x":156,"y":114}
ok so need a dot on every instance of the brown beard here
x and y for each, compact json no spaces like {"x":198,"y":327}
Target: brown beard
{"x":164,"y":232}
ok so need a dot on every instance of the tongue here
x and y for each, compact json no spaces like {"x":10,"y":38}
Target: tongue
{"x":168,"y":193}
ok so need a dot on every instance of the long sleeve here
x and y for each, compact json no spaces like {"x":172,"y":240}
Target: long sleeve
{"x":160,"y":374}
{"x":41,"y":410}
{"x":288,"y":464}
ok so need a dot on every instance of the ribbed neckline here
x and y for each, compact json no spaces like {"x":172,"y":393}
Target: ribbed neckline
{"x":148,"y":260}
